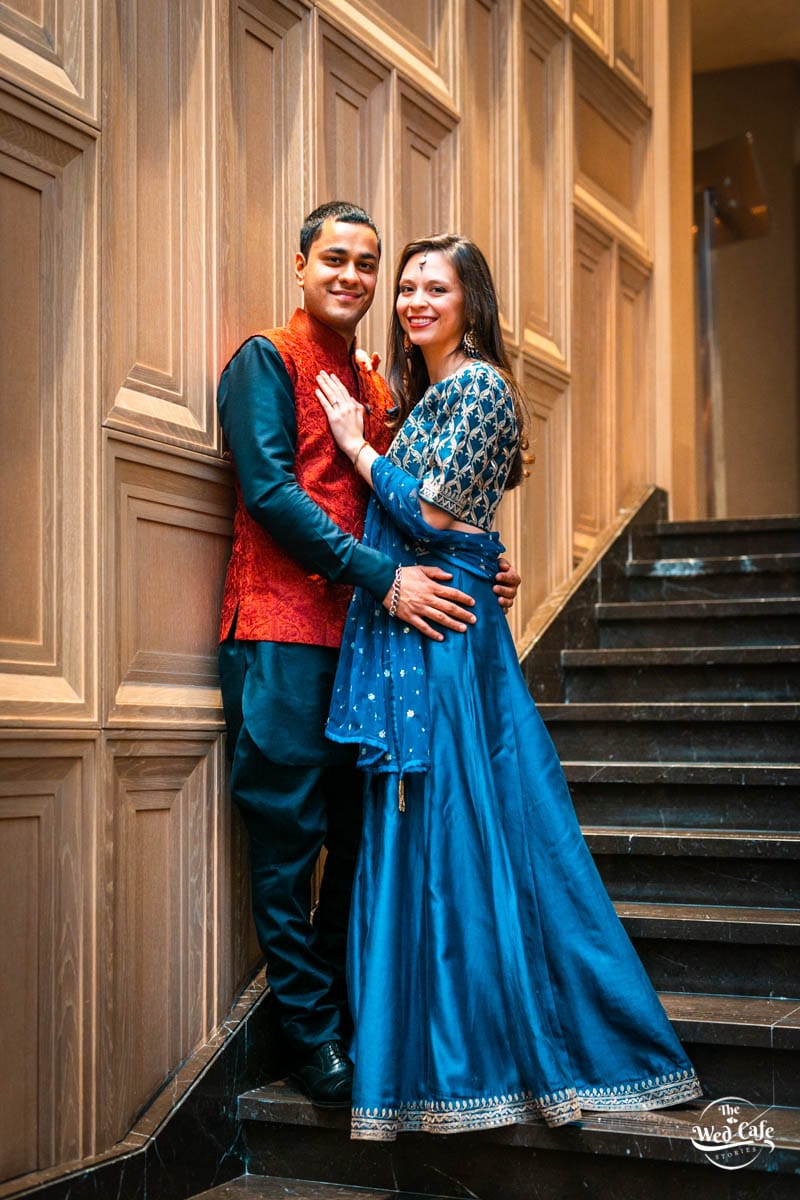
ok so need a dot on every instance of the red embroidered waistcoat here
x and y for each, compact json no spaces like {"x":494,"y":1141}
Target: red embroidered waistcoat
{"x":275,"y":598}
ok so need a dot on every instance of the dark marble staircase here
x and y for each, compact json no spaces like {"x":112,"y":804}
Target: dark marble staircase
{"x":678,"y":733}
{"x":670,"y":683}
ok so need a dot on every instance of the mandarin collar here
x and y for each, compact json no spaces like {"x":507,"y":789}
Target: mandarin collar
{"x":331,"y":342}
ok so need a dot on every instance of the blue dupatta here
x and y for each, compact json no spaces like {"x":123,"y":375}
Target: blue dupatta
{"x":380,"y":698}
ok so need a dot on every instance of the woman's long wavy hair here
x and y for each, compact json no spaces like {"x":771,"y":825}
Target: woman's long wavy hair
{"x":406,"y":370}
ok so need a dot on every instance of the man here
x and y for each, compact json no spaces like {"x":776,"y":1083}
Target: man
{"x":295,"y":559}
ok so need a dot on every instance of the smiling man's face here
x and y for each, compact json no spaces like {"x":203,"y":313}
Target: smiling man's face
{"x":339,"y":276}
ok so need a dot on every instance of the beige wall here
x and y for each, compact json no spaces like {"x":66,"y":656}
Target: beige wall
{"x":757,"y":291}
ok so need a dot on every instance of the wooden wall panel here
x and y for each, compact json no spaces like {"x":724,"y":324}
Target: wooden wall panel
{"x":543,"y":277}
{"x":167,"y":545}
{"x":420,"y":27}
{"x":49,"y":47}
{"x":632,"y":21}
{"x":592,"y":19}
{"x":604,"y":154}
{"x":479,"y":104}
{"x":424,"y":199}
{"x":591,"y":410}
{"x":236,"y":944}
{"x":486,"y":148}
{"x":418,"y":19}
{"x":415,"y":40}
{"x":558,"y":6}
{"x":160,"y":930}
{"x":263,"y":160}
{"x":632,"y":423}
{"x":543,"y":550}
{"x":26,"y":200}
{"x":47,"y":874}
{"x":610,"y":147}
{"x":47,"y":399}
{"x":157,"y":277}
{"x":353,"y":125}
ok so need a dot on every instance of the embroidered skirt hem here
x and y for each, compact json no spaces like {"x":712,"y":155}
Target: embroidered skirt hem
{"x":562,"y":1108}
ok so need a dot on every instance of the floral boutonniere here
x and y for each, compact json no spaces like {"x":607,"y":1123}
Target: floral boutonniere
{"x":366,"y":363}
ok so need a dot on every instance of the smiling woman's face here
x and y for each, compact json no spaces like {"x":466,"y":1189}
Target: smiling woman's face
{"x":430,"y":303}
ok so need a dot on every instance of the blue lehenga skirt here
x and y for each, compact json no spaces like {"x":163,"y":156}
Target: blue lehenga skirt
{"x":491,"y":981}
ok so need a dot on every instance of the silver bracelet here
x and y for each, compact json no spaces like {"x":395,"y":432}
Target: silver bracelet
{"x":395,"y":600}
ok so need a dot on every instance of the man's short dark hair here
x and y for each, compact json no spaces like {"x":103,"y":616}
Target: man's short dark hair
{"x":337,"y":210}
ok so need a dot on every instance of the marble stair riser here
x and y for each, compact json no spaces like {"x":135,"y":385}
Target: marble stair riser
{"x":741,"y":925}
{"x":554,"y":1170}
{"x":700,"y":545}
{"x":732,"y":968}
{"x":701,"y":682}
{"x":686,"y":741}
{"x":690,"y":806}
{"x":752,"y":630}
{"x":761,"y":1076}
{"x":628,"y":842}
{"x":693,"y":880}
{"x":741,"y":584}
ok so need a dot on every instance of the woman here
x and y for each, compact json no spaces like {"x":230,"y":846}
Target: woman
{"x":490,"y":979}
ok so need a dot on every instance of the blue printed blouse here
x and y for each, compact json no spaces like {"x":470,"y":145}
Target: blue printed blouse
{"x":460,"y":441}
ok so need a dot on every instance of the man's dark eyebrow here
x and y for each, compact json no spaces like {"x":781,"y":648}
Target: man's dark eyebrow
{"x":343,"y":250}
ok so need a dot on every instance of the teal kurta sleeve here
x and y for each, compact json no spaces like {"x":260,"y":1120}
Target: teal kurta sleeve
{"x":257,"y":414}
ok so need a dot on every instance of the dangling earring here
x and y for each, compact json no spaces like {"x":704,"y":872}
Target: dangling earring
{"x":470,"y":343}
{"x":408,"y":345}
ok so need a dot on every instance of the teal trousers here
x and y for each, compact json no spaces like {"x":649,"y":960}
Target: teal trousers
{"x":276,"y":699}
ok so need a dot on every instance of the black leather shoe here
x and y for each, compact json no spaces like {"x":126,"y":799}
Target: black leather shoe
{"x":325,"y":1076}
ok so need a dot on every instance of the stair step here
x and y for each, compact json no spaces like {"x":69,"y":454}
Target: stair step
{"x":494,"y":1163}
{"x":680,"y":656}
{"x":785,"y":521}
{"x":734,"y":950}
{"x":754,"y":622}
{"x":633,"y":713}
{"x":756,"y":732}
{"x":702,"y":673}
{"x":736,"y":774}
{"x":677,"y":841}
{"x":686,"y":795}
{"x":711,"y":923}
{"x":660,"y":877}
{"x":756,"y":534}
{"x":741,"y":575}
{"x":722,"y":564}
{"x":734,"y":1020}
{"x":262,"y":1187}
{"x":744,"y":967}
